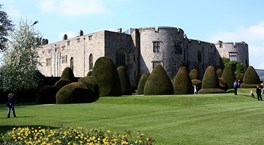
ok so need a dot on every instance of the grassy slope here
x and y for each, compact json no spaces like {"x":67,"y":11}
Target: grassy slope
{"x":181,"y":119}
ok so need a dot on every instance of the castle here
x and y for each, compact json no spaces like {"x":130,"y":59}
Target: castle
{"x":140,"y":50}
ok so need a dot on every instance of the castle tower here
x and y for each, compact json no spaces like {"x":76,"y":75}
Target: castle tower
{"x":164,"y":46}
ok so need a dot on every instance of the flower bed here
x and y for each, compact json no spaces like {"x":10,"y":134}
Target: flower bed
{"x":71,"y":136}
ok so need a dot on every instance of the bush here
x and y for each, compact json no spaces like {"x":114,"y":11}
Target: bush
{"x":158,"y":83}
{"x":90,"y":73}
{"x":228,"y":76}
{"x":251,"y":76}
{"x":210,"y":82}
{"x":91,"y":83}
{"x":107,"y":78}
{"x":76,"y":92}
{"x":142,"y":82}
{"x":240,"y":76}
{"x":47,"y":94}
{"x":67,"y":77}
{"x":219,"y":72}
{"x":222,"y":84}
{"x":124,"y":81}
{"x":193,"y":74}
{"x":182,"y":83}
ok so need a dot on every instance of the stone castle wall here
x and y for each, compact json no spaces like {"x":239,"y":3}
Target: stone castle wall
{"x":136,"y":51}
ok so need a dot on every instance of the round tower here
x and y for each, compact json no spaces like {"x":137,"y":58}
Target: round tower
{"x":162,"y":45}
{"x":234,"y":51}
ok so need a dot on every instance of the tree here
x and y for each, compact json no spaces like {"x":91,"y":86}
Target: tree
{"x":5,"y":27}
{"x":19,"y":70}
{"x":236,"y":66}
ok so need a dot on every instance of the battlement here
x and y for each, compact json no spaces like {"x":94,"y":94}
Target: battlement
{"x":158,"y":29}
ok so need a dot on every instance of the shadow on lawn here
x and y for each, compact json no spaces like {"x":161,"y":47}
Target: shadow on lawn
{"x":5,"y":128}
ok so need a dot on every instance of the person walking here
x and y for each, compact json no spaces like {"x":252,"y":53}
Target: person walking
{"x":235,"y":87}
{"x":10,"y":104}
{"x":258,"y":91}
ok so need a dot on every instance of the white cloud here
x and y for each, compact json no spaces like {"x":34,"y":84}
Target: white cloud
{"x":252,"y":35}
{"x":69,"y":34}
{"x":72,"y":7}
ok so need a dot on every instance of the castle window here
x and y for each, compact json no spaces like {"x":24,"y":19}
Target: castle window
{"x":71,"y":63}
{"x":68,"y":43}
{"x":199,"y":56}
{"x":90,"y":37}
{"x":156,"y":46}
{"x":48,"y":62}
{"x":90,"y":61}
{"x":177,"y":48}
{"x":120,"y":57}
{"x":64,"y":59}
{"x":155,"y":63}
{"x":232,"y":56}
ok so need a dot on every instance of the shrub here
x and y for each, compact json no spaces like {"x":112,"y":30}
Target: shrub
{"x":228,"y":76}
{"x":90,"y":73}
{"x":182,"y":83}
{"x":210,"y":82}
{"x":193,"y":74}
{"x":47,"y":94}
{"x":76,"y":92}
{"x":107,"y":78}
{"x":67,"y":77}
{"x":158,"y":83}
{"x":124,"y":81}
{"x":222,"y":84}
{"x":142,"y":82}
{"x":219,"y":72}
{"x":91,"y":83}
{"x":240,"y":76}
{"x":251,"y":76}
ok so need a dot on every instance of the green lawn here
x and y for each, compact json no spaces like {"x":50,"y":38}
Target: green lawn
{"x":177,"y":119}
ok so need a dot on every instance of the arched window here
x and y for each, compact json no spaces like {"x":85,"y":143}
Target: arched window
{"x":91,"y":61}
{"x":71,"y":63}
{"x":120,"y":57}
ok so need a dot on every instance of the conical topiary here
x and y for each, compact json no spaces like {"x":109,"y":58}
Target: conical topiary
{"x":142,"y":82}
{"x":229,"y":76}
{"x":210,"y":82}
{"x":67,"y":77}
{"x":182,"y":83}
{"x":158,"y":82}
{"x":124,"y":81}
{"x":106,"y":76}
{"x":251,"y":78}
{"x":219,"y":72}
{"x":240,"y":76}
{"x":193,"y":74}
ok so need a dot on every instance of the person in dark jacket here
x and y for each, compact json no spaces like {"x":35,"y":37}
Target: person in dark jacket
{"x":10,"y":104}
{"x":258,"y":91}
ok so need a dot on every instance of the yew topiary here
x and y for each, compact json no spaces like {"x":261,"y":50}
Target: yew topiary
{"x":106,"y":76}
{"x":67,"y":77}
{"x":182,"y":83}
{"x":193,"y":74}
{"x":219,"y":72}
{"x":47,"y":94}
{"x":228,"y":76}
{"x":91,"y":83}
{"x":142,"y":82}
{"x":158,"y":83}
{"x":251,"y":78}
{"x":240,"y":76}
{"x":76,"y":92}
{"x":124,"y":81}
{"x":210,"y":82}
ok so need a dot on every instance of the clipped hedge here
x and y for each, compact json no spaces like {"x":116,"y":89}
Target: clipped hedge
{"x":222,"y":84}
{"x":210,"y":82}
{"x":228,"y":76}
{"x":76,"y":92}
{"x":124,"y":81}
{"x":182,"y":83}
{"x":91,"y":83}
{"x":142,"y":82}
{"x":240,"y":76}
{"x":158,"y":83}
{"x":219,"y":72}
{"x":47,"y":94}
{"x":193,"y":74}
{"x":251,"y":76}
{"x":67,"y":77}
{"x":107,"y":78}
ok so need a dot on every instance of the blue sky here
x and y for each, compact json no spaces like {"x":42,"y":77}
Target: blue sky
{"x":206,"y":20}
